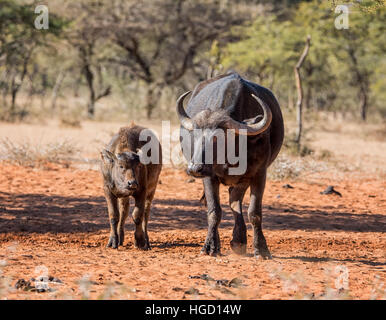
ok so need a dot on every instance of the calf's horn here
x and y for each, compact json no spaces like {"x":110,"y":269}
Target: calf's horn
{"x":252,"y":129}
{"x":185,"y":121}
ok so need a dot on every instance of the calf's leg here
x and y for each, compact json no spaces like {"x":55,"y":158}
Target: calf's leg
{"x":112,"y":207}
{"x":138,"y":217}
{"x":124,"y":205}
{"x":255,"y":215}
{"x":239,"y":239}
{"x":212,"y":242}
{"x":148,"y":201}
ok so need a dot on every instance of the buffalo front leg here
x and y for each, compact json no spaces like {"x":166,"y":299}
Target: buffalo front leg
{"x":255,"y":216}
{"x":212,"y":242}
{"x":112,"y":207}
{"x":239,"y":238}
{"x":124,"y":205}
{"x":138,"y":218}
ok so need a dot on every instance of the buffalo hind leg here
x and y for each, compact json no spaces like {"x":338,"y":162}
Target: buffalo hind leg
{"x":255,"y":216}
{"x":138,"y":218}
{"x":239,"y":238}
{"x":112,"y":207}
{"x":212,"y":242}
{"x":124,"y":204}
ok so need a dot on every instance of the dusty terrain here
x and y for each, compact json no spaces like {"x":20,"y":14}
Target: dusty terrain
{"x":53,"y":221}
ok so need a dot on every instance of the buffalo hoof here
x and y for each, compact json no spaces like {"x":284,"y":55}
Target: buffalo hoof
{"x":121,"y":239}
{"x":141,"y":244}
{"x":210,"y":250}
{"x":238,"y":247}
{"x":145,"y":247}
{"x":263,"y":254}
{"x":210,"y":253}
{"x":113,"y":242}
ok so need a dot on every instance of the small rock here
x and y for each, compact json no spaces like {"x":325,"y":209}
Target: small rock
{"x":56,"y":280}
{"x":203,"y":276}
{"x":331,"y":190}
{"x":222,"y":282}
{"x":287,"y":186}
{"x":177,"y":289}
{"x":21,"y":284}
{"x":190,"y":180}
{"x":192,"y":291}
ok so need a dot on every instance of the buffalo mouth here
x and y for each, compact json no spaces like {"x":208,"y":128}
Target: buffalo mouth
{"x":124,"y":192}
{"x":198,"y":175}
{"x":204,"y":172}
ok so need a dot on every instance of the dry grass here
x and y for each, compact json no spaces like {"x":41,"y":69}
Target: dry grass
{"x":343,"y":146}
{"x":27,"y":154}
{"x":70,"y":122}
{"x":293,"y":283}
{"x":285,"y":167}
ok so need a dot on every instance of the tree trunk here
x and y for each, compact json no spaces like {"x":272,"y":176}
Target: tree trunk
{"x":364,"y":99}
{"x":91,"y":108}
{"x":13,"y":99}
{"x":56,"y":89}
{"x":15,"y":87}
{"x":298,"y":82}
{"x":95,"y":95}
{"x":362,"y":81}
{"x":150,"y":101}
{"x":90,"y":83}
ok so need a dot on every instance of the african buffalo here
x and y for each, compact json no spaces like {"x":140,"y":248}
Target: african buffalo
{"x":253,"y":113}
{"x":125,"y":176}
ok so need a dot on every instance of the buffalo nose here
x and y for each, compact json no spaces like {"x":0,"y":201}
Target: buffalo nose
{"x":195,"y":168}
{"x":132,"y":184}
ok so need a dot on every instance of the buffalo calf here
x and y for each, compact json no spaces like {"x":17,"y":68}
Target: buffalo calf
{"x":125,"y":176}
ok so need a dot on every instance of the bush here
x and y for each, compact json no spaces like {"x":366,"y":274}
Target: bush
{"x":285,"y":167}
{"x":25,"y":154}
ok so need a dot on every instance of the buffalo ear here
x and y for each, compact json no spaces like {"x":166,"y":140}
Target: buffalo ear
{"x":253,"y":120}
{"x":108,"y":157}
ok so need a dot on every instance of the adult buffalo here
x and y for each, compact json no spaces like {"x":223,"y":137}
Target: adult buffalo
{"x":253,"y":113}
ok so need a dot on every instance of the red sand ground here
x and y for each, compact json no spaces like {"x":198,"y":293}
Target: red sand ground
{"x":58,"y":219}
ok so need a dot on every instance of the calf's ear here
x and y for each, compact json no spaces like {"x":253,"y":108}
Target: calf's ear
{"x":139,"y":153}
{"x":108,"y":157}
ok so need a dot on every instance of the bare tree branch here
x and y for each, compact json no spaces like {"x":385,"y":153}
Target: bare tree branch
{"x":300,"y":90}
